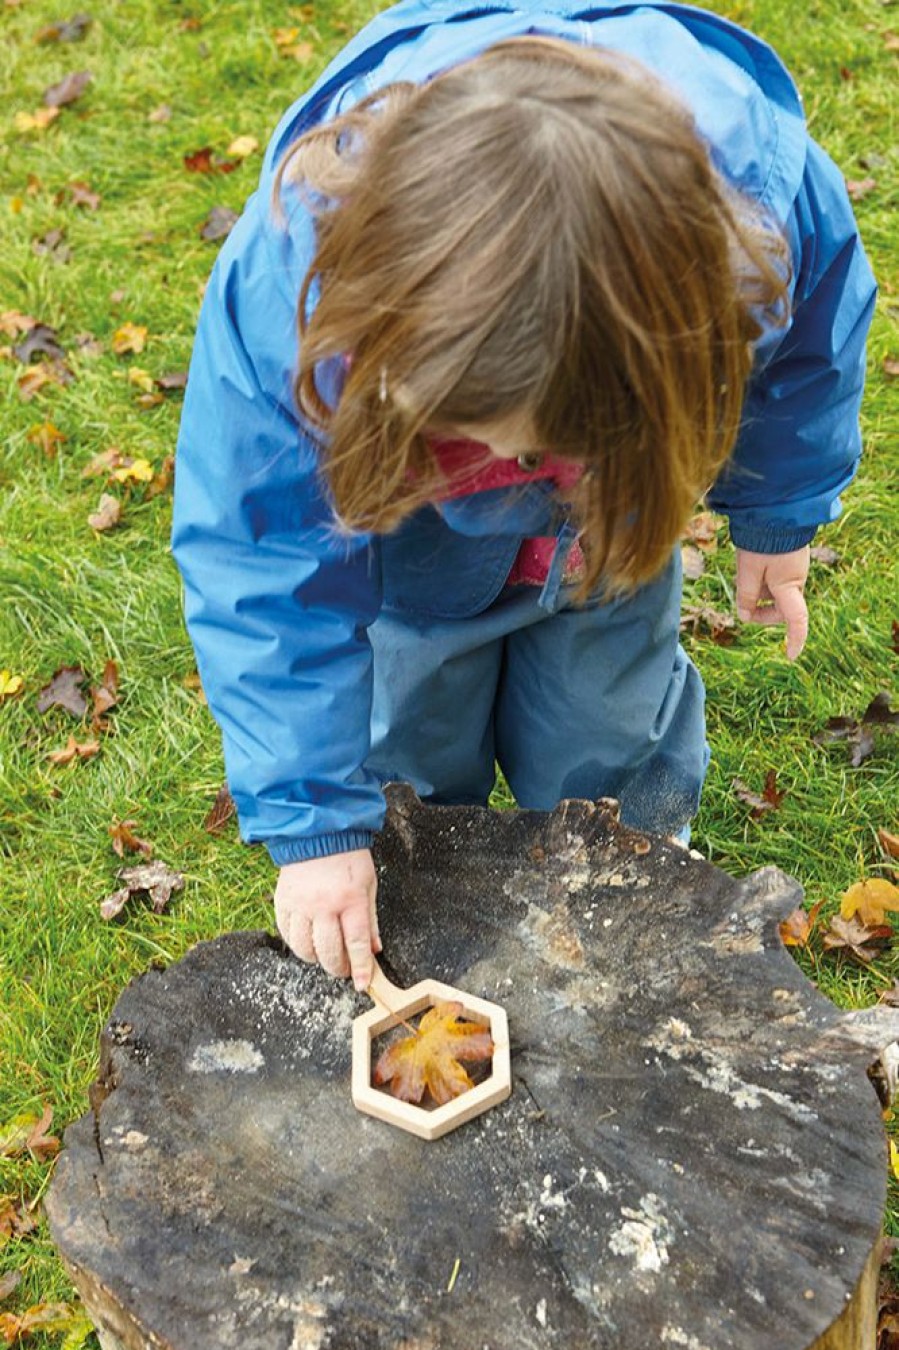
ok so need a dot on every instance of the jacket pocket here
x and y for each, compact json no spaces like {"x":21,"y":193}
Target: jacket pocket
{"x":429,"y":569}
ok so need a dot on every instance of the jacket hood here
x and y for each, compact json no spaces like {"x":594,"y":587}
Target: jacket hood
{"x":745,"y":104}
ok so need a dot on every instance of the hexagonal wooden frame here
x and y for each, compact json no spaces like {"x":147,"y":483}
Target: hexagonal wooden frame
{"x":403,"y":1004}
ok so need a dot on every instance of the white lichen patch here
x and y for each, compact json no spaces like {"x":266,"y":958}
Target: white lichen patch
{"x":644,"y":1236}
{"x":672,"y":1335}
{"x":235,"y":1056}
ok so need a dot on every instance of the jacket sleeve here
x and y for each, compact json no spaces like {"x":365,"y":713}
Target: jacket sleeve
{"x":277,"y":601}
{"x":800,"y":443}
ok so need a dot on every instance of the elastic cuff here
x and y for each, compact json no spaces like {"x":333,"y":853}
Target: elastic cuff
{"x":317,"y":846}
{"x":771,"y":538}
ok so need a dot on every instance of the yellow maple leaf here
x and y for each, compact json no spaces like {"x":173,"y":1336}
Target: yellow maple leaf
{"x":10,"y":684}
{"x":894,"y":1160}
{"x":870,"y":900}
{"x":131,"y":337}
{"x":429,"y":1060}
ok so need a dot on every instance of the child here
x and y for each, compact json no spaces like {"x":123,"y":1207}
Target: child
{"x":518,"y":286}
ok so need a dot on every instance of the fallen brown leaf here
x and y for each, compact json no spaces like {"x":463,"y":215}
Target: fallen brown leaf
{"x":46,"y":436}
{"x":40,"y":341}
{"x":154,"y":878}
{"x":769,"y":799}
{"x":219,"y":223}
{"x":859,"y":188}
{"x":797,"y":928}
{"x":27,"y":1133}
{"x":64,"y":691}
{"x":65,"y":30}
{"x":104,"y":696}
{"x":221,"y":811}
{"x":124,"y":840}
{"x":68,"y":89}
{"x":890,"y":366}
{"x":825,"y":556}
{"x":704,"y":621}
{"x":74,"y":750}
{"x":692,"y":561}
{"x":702,"y":530}
{"x":855,"y":938}
{"x":107,"y":515}
{"x":10,"y":1280}
{"x":889,"y":842}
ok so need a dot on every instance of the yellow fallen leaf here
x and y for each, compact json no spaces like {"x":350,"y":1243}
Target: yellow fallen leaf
{"x":36,"y":121}
{"x":285,"y":36}
{"x":46,"y":436}
{"x":16,"y":204}
{"x":10,"y":684}
{"x":870,"y":900}
{"x":141,"y":378}
{"x":131,"y":337}
{"x":135,"y":471}
{"x":242,"y":146}
{"x":894,"y":1160}
{"x":300,"y":51}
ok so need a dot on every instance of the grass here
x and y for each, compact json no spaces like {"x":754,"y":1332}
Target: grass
{"x":70,"y":596}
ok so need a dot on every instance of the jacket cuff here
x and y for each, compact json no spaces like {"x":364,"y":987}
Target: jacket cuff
{"x":317,"y":846}
{"x":771,"y":538}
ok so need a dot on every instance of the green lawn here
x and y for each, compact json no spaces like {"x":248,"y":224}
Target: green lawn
{"x":170,"y":78}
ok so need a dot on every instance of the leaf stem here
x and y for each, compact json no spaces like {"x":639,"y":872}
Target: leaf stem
{"x":376,"y":998}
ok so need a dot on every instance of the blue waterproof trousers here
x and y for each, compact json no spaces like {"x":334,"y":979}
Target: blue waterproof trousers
{"x":590,"y":701}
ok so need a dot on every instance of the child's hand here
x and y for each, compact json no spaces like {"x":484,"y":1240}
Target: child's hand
{"x":325,"y":908}
{"x":769,"y":590}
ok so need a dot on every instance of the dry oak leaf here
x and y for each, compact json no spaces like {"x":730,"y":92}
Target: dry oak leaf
{"x":871,"y":900}
{"x":82,"y":195}
{"x":154,"y":878}
{"x":35,"y":379}
{"x":64,"y":691}
{"x":68,"y":89}
{"x":10,"y":684}
{"x":27,"y":1133}
{"x":852,"y":936}
{"x":124,"y":840}
{"x":889,"y":842}
{"x":796,"y":928}
{"x":107,"y":515}
{"x":205,"y":160}
{"x":430,"y":1059}
{"x":74,"y":750}
{"x":131,"y":337}
{"x":46,"y":436}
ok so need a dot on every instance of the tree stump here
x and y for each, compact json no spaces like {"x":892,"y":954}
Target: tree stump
{"x":691,"y":1156}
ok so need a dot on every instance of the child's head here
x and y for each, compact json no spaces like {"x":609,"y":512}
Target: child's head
{"x":536,"y":234}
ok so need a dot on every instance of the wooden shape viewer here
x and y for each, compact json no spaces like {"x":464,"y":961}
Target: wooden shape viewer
{"x":406,"y":1003}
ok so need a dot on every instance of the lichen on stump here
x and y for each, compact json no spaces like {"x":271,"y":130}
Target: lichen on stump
{"x":691,"y":1154}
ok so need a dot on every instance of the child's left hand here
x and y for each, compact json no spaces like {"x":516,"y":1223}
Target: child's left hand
{"x":770,"y":590}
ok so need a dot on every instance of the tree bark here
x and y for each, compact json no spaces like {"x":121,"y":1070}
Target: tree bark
{"x":691,"y":1156}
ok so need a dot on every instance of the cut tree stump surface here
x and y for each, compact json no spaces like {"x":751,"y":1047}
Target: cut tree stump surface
{"x":692,"y":1155}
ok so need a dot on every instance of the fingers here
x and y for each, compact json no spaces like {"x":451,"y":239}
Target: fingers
{"x":770,"y":591}
{"x":326,"y":912}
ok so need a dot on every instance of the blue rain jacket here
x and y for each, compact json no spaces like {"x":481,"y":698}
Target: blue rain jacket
{"x":278,"y":603}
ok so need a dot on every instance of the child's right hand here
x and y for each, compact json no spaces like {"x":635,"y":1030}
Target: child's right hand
{"x":326,"y":912}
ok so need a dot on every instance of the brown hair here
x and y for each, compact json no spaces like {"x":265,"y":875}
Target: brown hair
{"x":538,"y":230}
